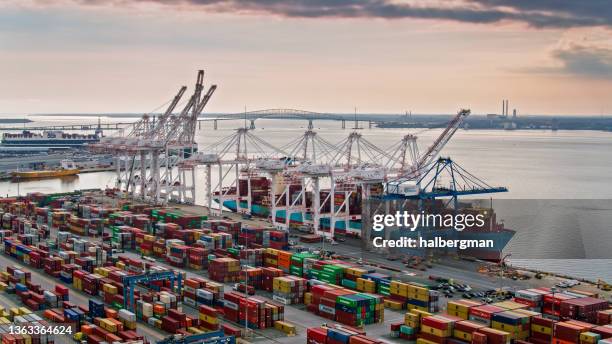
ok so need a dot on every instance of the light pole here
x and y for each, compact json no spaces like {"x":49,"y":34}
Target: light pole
{"x":246,"y":291}
{"x":502,"y":263}
{"x":553,"y":290}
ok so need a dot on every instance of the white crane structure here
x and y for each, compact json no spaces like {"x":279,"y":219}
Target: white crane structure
{"x":151,"y":155}
{"x":311,"y":180}
{"x":235,"y":156}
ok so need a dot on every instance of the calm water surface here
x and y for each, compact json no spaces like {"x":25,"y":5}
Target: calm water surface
{"x":535,"y":165}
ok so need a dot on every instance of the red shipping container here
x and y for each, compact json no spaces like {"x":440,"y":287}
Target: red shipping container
{"x":539,"y":320}
{"x":175,"y":314}
{"x":316,"y":335}
{"x":93,"y":339}
{"x":468,"y":326}
{"x":582,"y":308}
{"x":170,"y":325}
{"x":436,"y":322}
{"x":61,"y":290}
{"x":231,"y":330}
{"x":568,"y":332}
{"x":485,"y":311}
{"x":604,"y":317}
{"x":361,"y":339}
{"x":494,"y":336}
{"x":479,"y":338}
{"x":432,"y":338}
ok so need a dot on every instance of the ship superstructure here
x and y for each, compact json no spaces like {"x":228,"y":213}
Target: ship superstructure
{"x":53,"y":138}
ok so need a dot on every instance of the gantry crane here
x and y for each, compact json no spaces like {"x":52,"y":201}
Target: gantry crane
{"x":162,"y":147}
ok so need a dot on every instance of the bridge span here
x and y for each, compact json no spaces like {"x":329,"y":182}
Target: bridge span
{"x":251,"y":116}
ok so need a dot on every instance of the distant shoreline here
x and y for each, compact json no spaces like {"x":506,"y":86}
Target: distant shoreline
{"x":414,"y":121}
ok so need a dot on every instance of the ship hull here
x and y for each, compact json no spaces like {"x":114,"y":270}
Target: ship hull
{"x":499,"y":239}
{"x":44,"y":174}
{"x":354,"y":227}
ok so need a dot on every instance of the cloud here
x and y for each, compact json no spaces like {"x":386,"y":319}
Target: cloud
{"x":579,"y":52}
{"x":585,"y":61}
{"x":541,"y":13}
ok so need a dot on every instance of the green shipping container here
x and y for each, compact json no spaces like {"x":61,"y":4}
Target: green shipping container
{"x":349,"y":284}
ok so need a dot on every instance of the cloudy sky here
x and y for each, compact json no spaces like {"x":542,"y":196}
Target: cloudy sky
{"x":381,"y":56}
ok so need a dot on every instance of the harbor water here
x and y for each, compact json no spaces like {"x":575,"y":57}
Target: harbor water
{"x":535,"y":165}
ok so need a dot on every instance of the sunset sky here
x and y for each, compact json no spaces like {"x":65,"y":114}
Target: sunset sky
{"x":381,"y":56}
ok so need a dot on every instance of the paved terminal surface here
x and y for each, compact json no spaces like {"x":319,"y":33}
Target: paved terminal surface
{"x":459,"y":270}
{"x":462,"y":271}
{"x":76,"y":296}
{"x":295,"y":314}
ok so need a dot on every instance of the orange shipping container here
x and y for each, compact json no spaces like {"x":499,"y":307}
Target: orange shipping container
{"x":111,"y":313}
{"x":87,"y":329}
{"x":559,"y":341}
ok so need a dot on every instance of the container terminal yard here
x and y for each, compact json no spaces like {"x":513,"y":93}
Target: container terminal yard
{"x":281,"y":252}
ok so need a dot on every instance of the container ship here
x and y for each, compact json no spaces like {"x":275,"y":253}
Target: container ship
{"x":351,"y":225}
{"x":48,"y":139}
{"x":261,"y":203}
{"x":67,"y":168}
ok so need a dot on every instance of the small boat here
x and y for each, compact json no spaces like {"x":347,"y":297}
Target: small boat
{"x":67,"y":168}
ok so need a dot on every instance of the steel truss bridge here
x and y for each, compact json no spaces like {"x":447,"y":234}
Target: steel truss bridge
{"x":251,"y":116}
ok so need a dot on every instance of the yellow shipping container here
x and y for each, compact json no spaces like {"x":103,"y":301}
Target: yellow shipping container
{"x":516,"y":332}
{"x":77,"y":283}
{"x":462,"y":335}
{"x":420,"y":313}
{"x":285,"y":327}
{"x":411,"y":323}
{"x":130,"y":325}
{"x":424,"y":341}
{"x":102,"y":272}
{"x":462,"y":315}
{"x":366,"y":285}
{"x":412,"y":317}
{"x":307,"y":298}
{"x":109,"y":288}
{"x":509,"y":305}
{"x":541,"y":329}
{"x":420,"y":297}
{"x":462,"y":305}
{"x":108,"y":325}
{"x":357,"y":272}
{"x":589,"y":337}
{"x":209,"y":319}
{"x":393,"y":304}
{"x":14,"y":312}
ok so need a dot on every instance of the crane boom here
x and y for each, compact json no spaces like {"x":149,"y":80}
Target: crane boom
{"x":434,"y":150}
{"x":198,"y":110}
